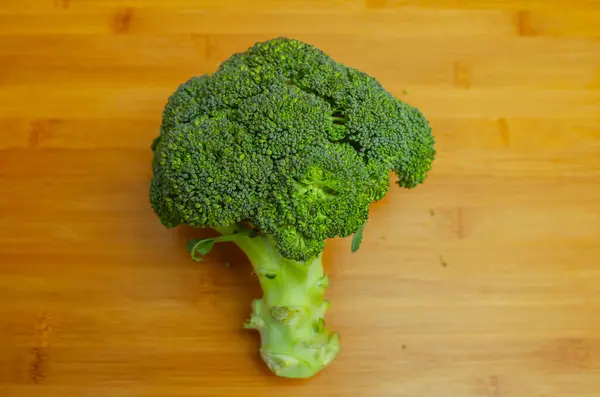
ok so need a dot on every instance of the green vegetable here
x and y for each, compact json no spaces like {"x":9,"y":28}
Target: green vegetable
{"x":357,"y":239}
{"x":279,"y":150}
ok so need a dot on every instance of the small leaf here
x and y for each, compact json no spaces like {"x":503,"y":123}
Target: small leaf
{"x":190,"y":245}
{"x":357,"y":239}
{"x":199,"y":248}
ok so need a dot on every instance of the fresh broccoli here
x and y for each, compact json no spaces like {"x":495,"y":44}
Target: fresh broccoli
{"x":279,"y":150}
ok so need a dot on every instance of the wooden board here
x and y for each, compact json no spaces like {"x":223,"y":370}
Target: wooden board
{"x":483,"y":282}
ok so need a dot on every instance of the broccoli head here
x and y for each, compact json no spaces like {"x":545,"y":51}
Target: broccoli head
{"x":279,"y":150}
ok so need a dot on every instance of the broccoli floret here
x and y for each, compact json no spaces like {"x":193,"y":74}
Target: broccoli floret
{"x":279,"y":150}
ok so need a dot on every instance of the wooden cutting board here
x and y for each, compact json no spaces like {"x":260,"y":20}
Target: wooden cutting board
{"x":483,"y":282}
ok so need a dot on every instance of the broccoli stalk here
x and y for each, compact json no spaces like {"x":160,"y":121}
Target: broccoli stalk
{"x":290,"y":316}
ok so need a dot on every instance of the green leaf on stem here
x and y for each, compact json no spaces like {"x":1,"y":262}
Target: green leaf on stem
{"x":357,"y":238}
{"x":200,"y":248}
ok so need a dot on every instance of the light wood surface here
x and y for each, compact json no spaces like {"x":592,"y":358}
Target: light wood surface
{"x":483,"y":282}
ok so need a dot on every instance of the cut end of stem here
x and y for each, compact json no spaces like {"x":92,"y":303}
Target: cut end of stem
{"x":308,"y":361}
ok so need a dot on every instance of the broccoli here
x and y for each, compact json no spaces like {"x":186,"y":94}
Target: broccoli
{"x":278,"y":150}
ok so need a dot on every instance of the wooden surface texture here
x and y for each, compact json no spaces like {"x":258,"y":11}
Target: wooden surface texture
{"x":483,"y":282}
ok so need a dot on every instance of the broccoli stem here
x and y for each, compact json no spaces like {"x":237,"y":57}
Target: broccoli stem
{"x":290,"y":316}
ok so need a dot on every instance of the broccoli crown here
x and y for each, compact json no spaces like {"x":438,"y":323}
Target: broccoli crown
{"x":287,"y":140}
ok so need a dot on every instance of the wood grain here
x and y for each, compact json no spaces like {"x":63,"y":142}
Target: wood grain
{"x":483,"y":282}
